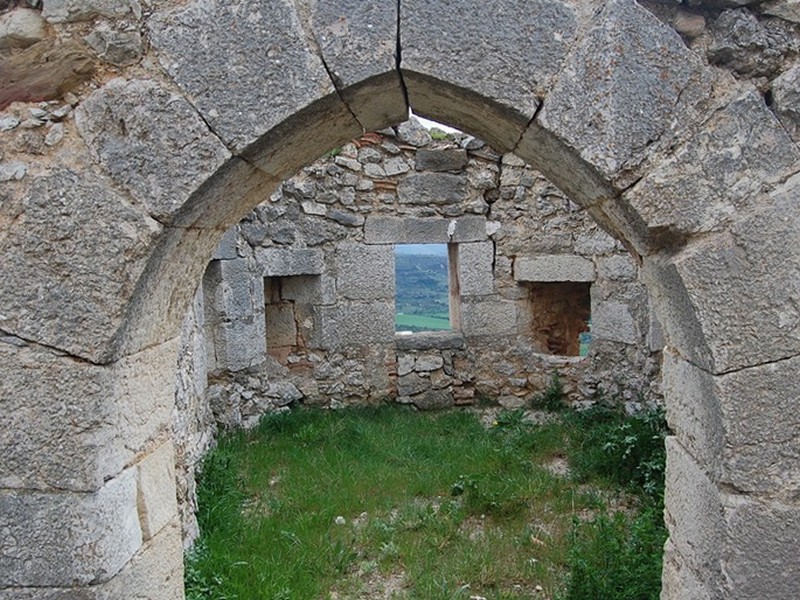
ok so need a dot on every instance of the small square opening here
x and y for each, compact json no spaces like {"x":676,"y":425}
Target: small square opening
{"x":561,"y":315}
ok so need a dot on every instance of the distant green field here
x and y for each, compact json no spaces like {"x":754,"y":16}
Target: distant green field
{"x":421,"y":323}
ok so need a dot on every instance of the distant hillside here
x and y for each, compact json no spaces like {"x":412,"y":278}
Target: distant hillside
{"x":422,"y":300}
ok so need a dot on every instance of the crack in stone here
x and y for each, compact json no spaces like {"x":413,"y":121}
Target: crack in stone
{"x":61,"y":352}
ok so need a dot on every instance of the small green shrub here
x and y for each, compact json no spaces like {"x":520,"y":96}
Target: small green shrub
{"x":438,"y":134}
{"x":553,"y":397}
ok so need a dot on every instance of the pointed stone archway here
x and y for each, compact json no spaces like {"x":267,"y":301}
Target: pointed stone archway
{"x":104,"y":245}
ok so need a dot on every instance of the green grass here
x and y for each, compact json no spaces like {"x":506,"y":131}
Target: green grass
{"x":421,"y":323}
{"x":316,"y":505}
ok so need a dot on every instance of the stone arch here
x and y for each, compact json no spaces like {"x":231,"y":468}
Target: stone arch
{"x":685,"y":165}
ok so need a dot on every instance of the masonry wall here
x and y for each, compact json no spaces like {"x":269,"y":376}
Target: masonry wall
{"x":297,"y":306}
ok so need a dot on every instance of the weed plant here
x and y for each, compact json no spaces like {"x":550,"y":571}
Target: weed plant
{"x":317,"y":505}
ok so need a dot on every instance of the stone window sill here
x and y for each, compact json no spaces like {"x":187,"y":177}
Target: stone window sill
{"x":429,"y":340}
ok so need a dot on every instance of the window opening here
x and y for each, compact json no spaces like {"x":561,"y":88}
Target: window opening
{"x":422,"y":297}
{"x":561,"y":316}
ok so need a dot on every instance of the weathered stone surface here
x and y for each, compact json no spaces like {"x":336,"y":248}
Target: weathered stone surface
{"x":523,"y":46}
{"x":244,"y":47}
{"x":433,"y":399}
{"x":63,"y":539}
{"x":742,"y":425}
{"x":365,"y":272}
{"x":21,"y":28}
{"x":411,"y":384}
{"x":281,"y":325}
{"x":154,"y":573}
{"x":445,"y":159}
{"x":469,"y":228}
{"x":678,"y":581}
{"x":280,"y":262}
{"x":310,"y":289}
{"x":624,"y":87}
{"x":56,"y":290}
{"x":44,"y":71}
{"x":769,"y":531}
{"x":613,"y":321}
{"x":744,"y":289}
{"x":239,"y":344}
{"x":135,"y":128}
{"x":475,"y":268}
{"x":428,"y":362}
{"x":750,"y":48}
{"x":120,"y":48}
{"x":70,"y":11}
{"x":489,"y":316}
{"x":155,"y":490}
{"x":358,"y":41}
{"x":405,"y":364}
{"x":693,"y":513}
{"x":440,"y":340}
{"x":555,"y":267}
{"x":231,"y":290}
{"x":12,"y":171}
{"x":353,"y":324}
{"x":413,"y":132}
{"x":616,"y":268}
{"x":716,"y":174}
{"x":786,"y":100}
{"x":424,"y":231}
{"x":789,"y":10}
{"x":432,"y":188}
{"x":227,"y":246}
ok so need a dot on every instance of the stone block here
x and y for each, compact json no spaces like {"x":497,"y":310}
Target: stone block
{"x":432,"y":188}
{"x":522,"y":47}
{"x":71,"y":11}
{"x":358,"y":41}
{"x":425,"y":230}
{"x":120,"y":48}
{"x":613,"y":321}
{"x":678,"y":581}
{"x":281,"y":325}
{"x":433,"y":399}
{"x":384,"y":230}
{"x":553,"y":267}
{"x":309,"y":289}
{"x":405,"y":364}
{"x":239,"y":344}
{"x":280,"y":262}
{"x":154,"y":573}
{"x":441,"y":159}
{"x":411,"y":384}
{"x":624,"y":88}
{"x":430,"y":340}
{"x":65,"y":539}
{"x":489,"y":315}
{"x":476,"y":269}
{"x":155,"y":490}
{"x":725,"y":164}
{"x":21,"y":28}
{"x":469,"y":228}
{"x":760,"y":560}
{"x":741,"y":424}
{"x":268,"y":51}
{"x":743,"y":308}
{"x":365,"y":272}
{"x":71,"y":425}
{"x":353,"y":325}
{"x":619,"y":267}
{"x":428,"y":362}
{"x":227,"y":246}
{"x":694,"y":512}
{"x":57,"y":290}
{"x":786,"y":99}
{"x":134,"y":128}
{"x":232,"y":290}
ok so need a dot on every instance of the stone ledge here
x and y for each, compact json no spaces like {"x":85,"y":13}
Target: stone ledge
{"x":438,"y":340}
